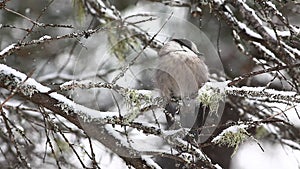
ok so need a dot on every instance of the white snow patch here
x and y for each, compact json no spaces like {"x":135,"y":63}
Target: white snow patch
{"x":151,"y":163}
{"x":276,"y":156}
{"x":5,"y":50}
{"x":118,"y":136}
{"x":8,"y":70}
{"x":262,"y":89}
{"x":252,"y":12}
{"x":232,"y":129}
{"x":45,"y":37}
{"x":272,"y":33}
{"x":267,"y":51}
{"x":294,"y":50}
{"x":248,"y":30}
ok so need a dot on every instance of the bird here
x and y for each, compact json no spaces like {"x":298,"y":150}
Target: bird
{"x":181,"y":71}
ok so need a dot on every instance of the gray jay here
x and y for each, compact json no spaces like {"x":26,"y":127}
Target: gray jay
{"x":180,"y":73}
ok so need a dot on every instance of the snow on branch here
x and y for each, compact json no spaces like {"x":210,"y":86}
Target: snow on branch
{"x":46,"y":38}
{"x":232,"y":136}
{"x":272,"y":7}
{"x":102,"y":9}
{"x":28,"y":88}
{"x":263,"y":93}
{"x":257,"y":29}
{"x":93,"y":122}
{"x":250,"y":15}
{"x":19,"y":82}
{"x":252,"y":92}
{"x":7,"y":50}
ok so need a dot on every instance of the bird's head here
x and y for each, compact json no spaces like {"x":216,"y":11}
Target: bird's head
{"x":180,"y":45}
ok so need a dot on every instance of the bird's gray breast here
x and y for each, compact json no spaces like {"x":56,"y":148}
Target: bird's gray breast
{"x":180,"y":75}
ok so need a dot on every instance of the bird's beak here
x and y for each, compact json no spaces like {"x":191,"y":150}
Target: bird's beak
{"x":199,"y":54}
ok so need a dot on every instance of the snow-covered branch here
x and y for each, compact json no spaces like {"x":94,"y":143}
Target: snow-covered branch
{"x":98,"y":125}
{"x":260,"y":93}
{"x":44,"y":39}
{"x":264,"y":94}
{"x":79,"y":115}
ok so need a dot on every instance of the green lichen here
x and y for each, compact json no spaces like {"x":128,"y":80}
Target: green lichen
{"x":28,"y":90}
{"x":232,"y":139}
{"x":65,"y":108}
{"x":121,"y":40}
{"x":211,"y":97}
{"x":135,"y":101}
{"x":79,"y":9}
